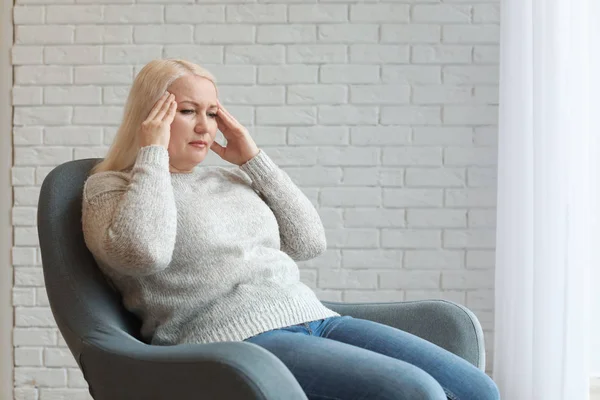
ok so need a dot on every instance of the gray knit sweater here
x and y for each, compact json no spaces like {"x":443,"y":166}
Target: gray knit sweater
{"x":206,"y":256}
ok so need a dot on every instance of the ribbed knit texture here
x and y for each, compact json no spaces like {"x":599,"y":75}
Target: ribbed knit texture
{"x":205,"y":256}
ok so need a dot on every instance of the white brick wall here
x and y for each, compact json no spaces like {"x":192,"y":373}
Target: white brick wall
{"x":383,"y":112}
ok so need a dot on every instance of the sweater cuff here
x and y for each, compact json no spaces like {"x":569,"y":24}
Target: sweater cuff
{"x":260,"y":166}
{"x":153,"y":155}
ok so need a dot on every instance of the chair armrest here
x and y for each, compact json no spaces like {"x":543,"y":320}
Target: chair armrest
{"x":126,"y":369}
{"x":447,"y":324}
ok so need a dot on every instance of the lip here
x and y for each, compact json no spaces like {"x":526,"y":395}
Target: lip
{"x":199,"y":144}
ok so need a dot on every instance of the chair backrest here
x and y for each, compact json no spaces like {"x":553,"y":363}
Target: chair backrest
{"x":83,"y":303}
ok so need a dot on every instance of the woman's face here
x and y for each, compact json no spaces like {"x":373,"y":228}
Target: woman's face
{"x":195,"y":120}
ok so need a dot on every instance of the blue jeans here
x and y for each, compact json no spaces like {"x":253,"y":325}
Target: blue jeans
{"x":346,"y":358}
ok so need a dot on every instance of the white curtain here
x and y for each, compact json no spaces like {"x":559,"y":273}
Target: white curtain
{"x":548,"y":137}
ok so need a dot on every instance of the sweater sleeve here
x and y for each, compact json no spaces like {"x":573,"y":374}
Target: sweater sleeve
{"x":300,"y":227}
{"x":130,"y":224}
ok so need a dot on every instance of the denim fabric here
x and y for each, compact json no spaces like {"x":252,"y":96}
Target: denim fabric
{"x":348,"y":358}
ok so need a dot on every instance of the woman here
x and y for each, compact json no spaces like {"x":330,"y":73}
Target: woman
{"x":208,"y":254}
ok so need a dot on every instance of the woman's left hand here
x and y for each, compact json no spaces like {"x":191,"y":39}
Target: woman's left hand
{"x":240,"y":146}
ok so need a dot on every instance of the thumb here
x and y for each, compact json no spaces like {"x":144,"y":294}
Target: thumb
{"x":217,"y":148}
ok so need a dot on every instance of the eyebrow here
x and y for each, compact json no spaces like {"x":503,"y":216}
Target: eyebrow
{"x":198,"y":105}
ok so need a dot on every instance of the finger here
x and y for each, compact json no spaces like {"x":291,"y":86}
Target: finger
{"x":165,"y":103}
{"x":229,"y":130}
{"x":230,"y":127}
{"x":170,"y":116}
{"x":157,"y":106}
{"x":165,"y":108}
{"x":217,"y":148}
{"x":228,"y":119}
{"x":222,"y":108}
{"x":223,"y":123}
{"x":222,"y":117}
{"x":227,"y":113}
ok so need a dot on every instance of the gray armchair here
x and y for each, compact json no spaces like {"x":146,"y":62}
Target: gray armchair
{"x":104,"y":337}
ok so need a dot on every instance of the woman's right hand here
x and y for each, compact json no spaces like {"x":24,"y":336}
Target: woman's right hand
{"x":156,"y":129}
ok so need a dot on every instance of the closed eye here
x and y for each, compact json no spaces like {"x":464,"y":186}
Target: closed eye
{"x":187,"y":112}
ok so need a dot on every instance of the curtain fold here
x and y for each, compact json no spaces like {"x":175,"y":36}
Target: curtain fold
{"x":546,"y":159}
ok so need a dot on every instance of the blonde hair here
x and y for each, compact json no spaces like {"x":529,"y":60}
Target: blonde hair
{"x":150,"y":83}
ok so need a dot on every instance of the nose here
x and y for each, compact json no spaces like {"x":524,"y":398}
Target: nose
{"x":201,"y":124}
